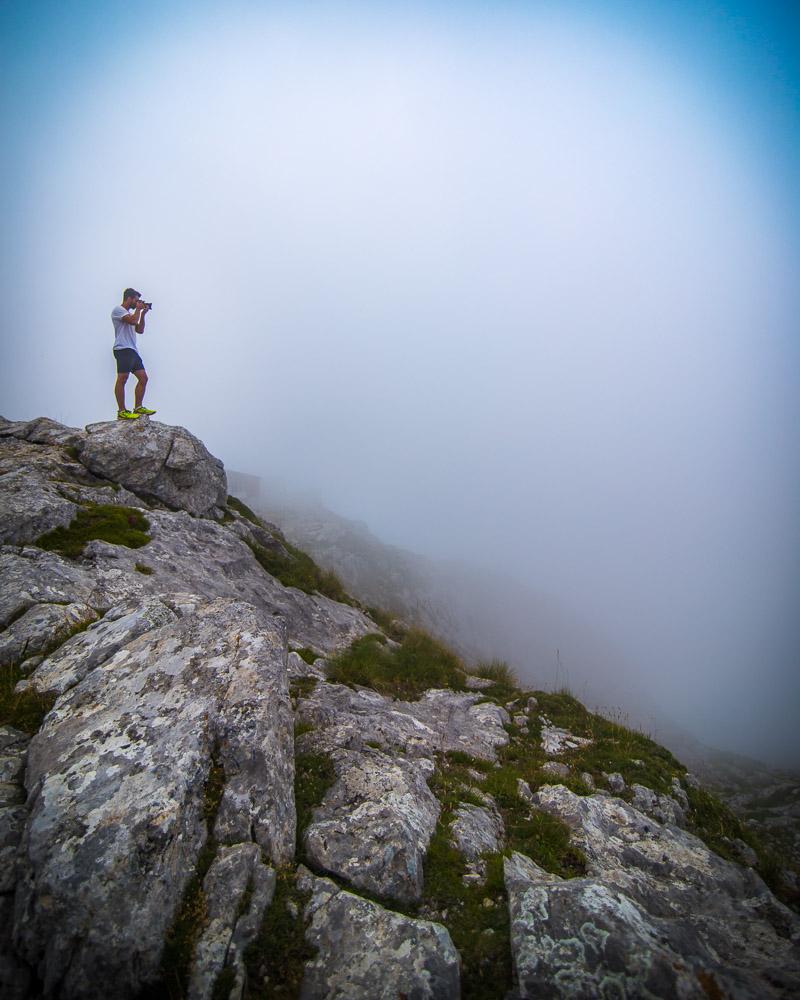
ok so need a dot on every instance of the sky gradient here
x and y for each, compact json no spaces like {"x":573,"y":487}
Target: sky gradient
{"x":514,"y":282}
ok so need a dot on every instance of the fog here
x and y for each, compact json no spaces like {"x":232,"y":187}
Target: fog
{"x":513,"y":284}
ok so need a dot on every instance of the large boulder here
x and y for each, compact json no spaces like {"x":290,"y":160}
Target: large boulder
{"x":117,"y":791}
{"x":157,"y":461}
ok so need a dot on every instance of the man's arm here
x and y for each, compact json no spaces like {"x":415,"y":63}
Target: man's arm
{"x":140,"y":325}
{"x":135,"y":319}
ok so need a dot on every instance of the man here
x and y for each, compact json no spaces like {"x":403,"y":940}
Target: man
{"x":126,"y":326}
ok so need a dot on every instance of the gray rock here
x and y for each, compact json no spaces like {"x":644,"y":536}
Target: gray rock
{"x":374,"y":824}
{"x":615,"y":781}
{"x":475,"y":831}
{"x":556,"y":768}
{"x":473,"y":683}
{"x":691,"y":780}
{"x":42,"y":627}
{"x":582,"y":938}
{"x":30,"y":506}
{"x":680,"y":795}
{"x":532,"y":704}
{"x":227,"y":933}
{"x":439,"y":722}
{"x":82,"y":653}
{"x":661,"y":807}
{"x":588,"y":780}
{"x":718,"y":918}
{"x":15,"y":977}
{"x":158,"y":461}
{"x":368,"y":953}
{"x":116,"y":782}
{"x":43,"y":430}
{"x":555,"y":740}
{"x":521,"y":720}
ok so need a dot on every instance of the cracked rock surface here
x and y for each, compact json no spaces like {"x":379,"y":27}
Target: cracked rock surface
{"x":116,"y":780}
{"x":659,"y":909}
{"x":441,"y":721}
{"x":374,"y":824}
{"x":369,"y":953}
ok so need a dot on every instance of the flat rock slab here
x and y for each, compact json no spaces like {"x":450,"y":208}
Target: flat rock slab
{"x":369,"y":953}
{"x":157,"y":461}
{"x":116,"y":780}
{"x":441,"y":721}
{"x":718,"y":918}
{"x":374,"y":824}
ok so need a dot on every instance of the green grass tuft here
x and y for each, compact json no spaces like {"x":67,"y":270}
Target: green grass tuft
{"x":144,"y":569}
{"x":298,"y":569}
{"x":392,"y":626}
{"x":301,"y":687}
{"x":107,"y":522}
{"x":241,"y":508}
{"x":406,"y":672}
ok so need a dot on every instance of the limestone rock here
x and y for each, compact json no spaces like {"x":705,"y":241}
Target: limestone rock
{"x":42,"y":430}
{"x":441,"y":721}
{"x":72,"y":661}
{"x":555,"y":740}
{"x":661,"y":807}
{"x":374,"y":824}
{"x":477,"y":830}
{"x":665,"y":886}
{"x":156,"y":460}
{"x":369,"y":953}
{"x":14,"y":975}
{"x":116,"y":781}
{"x":40,"y":628}
{"x":556,"y":768}
{"x":615,"y":781}
{"x":227,"y":933}
{"x":473,"y":683}
{"x":30,"y":506}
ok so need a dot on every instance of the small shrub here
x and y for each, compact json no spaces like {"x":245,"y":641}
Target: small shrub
{"x":107,"y":522}
{"x":309,"y":655}
{"x":142,"y":568}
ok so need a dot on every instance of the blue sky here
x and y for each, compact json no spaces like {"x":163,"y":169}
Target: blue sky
{"x":515,"y":282}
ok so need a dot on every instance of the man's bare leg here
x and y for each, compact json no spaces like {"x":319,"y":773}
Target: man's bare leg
{"x":141,"y":385}
{"x":119,"y":389}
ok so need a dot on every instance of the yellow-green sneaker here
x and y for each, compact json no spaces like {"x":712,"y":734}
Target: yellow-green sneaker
{"x":127,"y":415}
{"x":142,"y":411}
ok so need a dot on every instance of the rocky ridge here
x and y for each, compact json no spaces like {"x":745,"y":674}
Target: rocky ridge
{"x":191,"y":805}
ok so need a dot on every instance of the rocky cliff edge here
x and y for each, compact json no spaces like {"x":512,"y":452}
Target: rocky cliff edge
{"x":217,"y":779}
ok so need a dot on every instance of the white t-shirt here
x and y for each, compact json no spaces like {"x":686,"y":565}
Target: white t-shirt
{"x":124,"y":333}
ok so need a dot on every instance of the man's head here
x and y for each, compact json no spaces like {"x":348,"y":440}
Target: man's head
{"x":130,"y":297}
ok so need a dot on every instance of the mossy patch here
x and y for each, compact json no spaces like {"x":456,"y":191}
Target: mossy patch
{"x":407,"y":671}
{"x":23,"y":710}
{"x":295,"y":568}
{"x":143,"y":569}
{"x":301,"y":687}
{"x":241,"y":508}
{"x":314,"y":775}
{"x":108,"y":522}
{"x":307,"y":654}
{"x":277,"y":957}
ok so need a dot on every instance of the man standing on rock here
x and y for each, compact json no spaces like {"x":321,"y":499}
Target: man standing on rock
{"x":128,"y":360}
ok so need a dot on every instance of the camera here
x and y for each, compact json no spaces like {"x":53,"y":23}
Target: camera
{"x":148,"y":304}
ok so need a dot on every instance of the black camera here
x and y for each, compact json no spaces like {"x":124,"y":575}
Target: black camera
{"x":148,"y":304}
